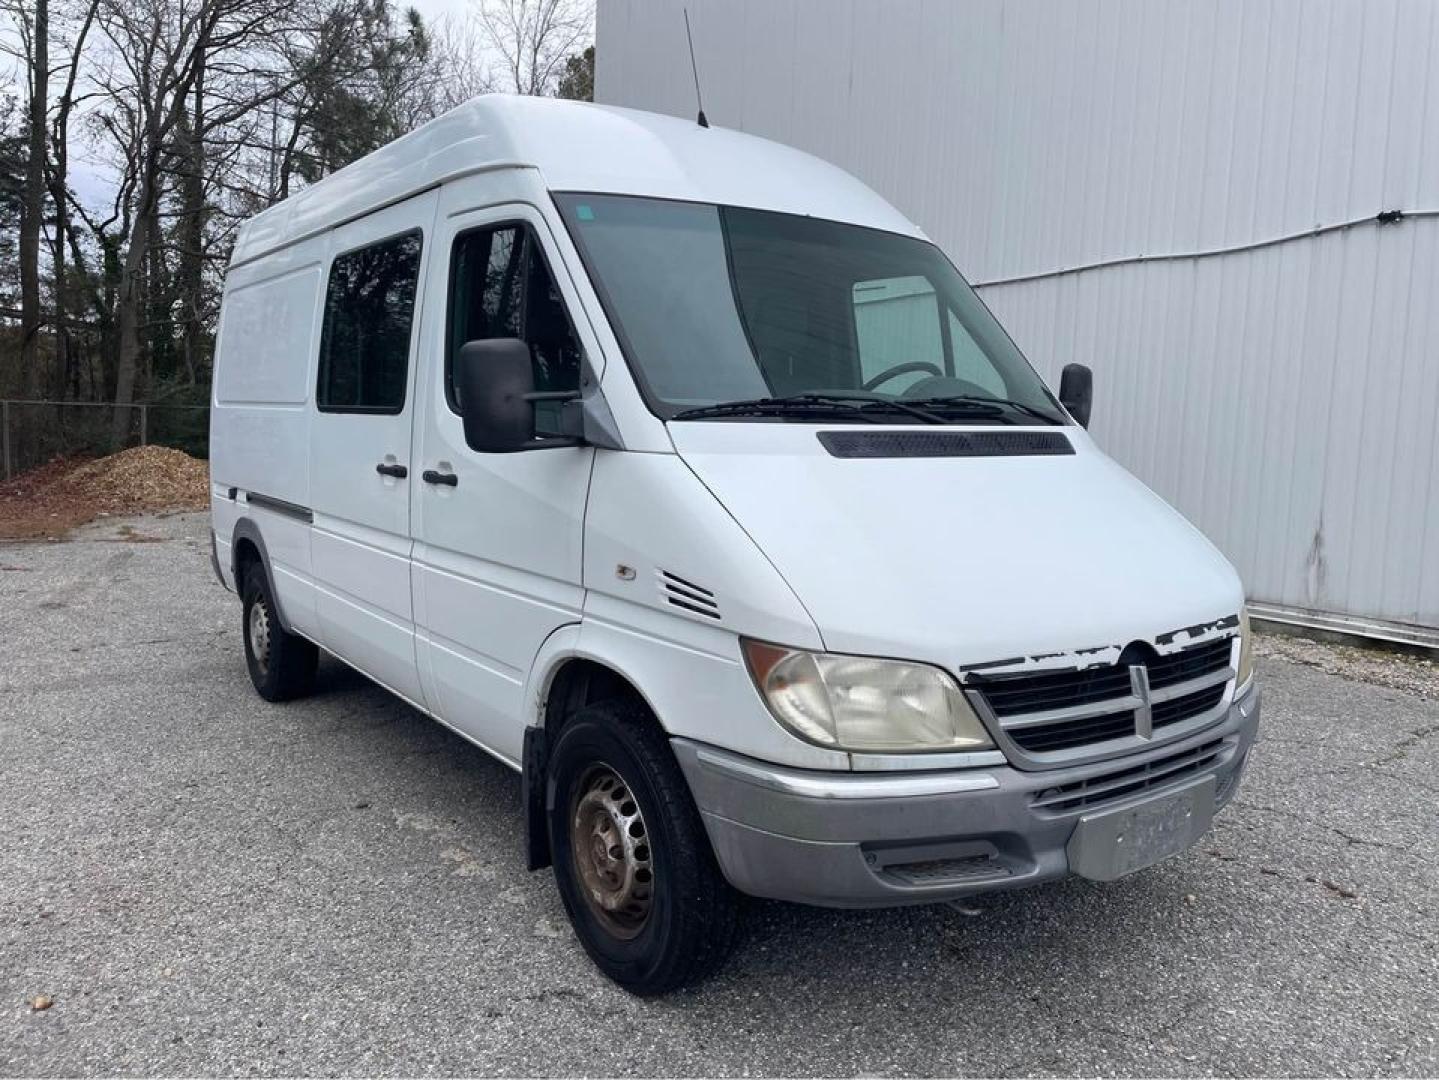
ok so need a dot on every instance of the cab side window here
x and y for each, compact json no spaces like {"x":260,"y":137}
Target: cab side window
{"x":501,"y":286}
{"x":365,"y":338}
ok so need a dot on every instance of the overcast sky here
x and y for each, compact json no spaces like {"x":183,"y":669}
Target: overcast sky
{"x":433,"y":9}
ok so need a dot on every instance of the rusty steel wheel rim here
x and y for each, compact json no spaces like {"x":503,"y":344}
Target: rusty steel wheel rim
{"x":260,"y":635}
{"x":611,"y":851}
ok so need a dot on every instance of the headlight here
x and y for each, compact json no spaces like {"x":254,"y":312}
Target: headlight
{"x":864,"y":704}
{"x":1246,"y":648}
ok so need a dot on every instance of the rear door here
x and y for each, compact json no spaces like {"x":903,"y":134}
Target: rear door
{"x":360,"y":469}
{"x":498,"y":536}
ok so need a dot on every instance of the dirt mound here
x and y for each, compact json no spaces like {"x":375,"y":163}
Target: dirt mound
{"x":51,"y":500}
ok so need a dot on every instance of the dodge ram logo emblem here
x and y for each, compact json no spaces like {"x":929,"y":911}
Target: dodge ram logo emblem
{"x":1144,"y":712}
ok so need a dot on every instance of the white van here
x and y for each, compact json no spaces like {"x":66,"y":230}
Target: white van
{"x":677,"y":470}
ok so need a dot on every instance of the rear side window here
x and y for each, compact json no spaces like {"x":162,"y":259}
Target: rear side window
{"x":501,"y":286}
{"x":365,"y":342}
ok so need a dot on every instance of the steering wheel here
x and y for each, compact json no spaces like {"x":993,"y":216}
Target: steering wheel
{"x":902,"y":369}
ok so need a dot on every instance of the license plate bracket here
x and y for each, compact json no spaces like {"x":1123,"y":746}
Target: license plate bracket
{"x":1112,"y":843}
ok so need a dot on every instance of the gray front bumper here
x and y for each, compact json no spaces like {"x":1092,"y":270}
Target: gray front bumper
{"x":884,"y":839}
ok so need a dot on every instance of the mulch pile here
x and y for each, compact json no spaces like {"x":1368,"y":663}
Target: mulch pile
{"x":49,"y":501}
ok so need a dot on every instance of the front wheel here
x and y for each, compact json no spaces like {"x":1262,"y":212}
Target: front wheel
{"x":282,"y":665}
{"x":632,"y":861}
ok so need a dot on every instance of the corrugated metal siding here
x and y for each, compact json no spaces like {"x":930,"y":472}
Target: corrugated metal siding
{"x":1284,"y":399}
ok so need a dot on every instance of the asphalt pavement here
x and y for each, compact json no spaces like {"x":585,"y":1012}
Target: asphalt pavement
{"x":204,"y":883}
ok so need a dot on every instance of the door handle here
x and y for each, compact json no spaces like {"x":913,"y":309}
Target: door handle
{"x":399,"y":472}
{"x":449,"y":479}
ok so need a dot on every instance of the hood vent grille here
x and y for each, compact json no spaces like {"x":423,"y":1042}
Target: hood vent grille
{"x":687,"y":596}
{"x":945,"y":444}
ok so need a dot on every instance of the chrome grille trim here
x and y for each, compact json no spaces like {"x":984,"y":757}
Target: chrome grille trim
{"x":1128,"y":703}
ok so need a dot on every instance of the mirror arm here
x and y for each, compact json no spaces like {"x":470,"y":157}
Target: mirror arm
{"x":544,"y":442}
{"x":572,"y":427}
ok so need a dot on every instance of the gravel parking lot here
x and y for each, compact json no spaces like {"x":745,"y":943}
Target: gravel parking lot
{"x":204,"y":883}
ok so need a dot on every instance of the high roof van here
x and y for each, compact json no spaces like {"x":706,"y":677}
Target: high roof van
{"x":677,"y":470}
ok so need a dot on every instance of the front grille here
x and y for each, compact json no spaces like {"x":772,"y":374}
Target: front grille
{"x":1182,"y":708}
{"x":1189,"y":664}
{"x":1112,"y":787}
{"x":1067,"y":734}
{"x":1012,"y":697}
{"x":1051,"y":716}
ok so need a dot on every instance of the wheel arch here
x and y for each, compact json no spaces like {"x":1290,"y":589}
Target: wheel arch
{"x":564,"y":678}
{"x":247,"y":548}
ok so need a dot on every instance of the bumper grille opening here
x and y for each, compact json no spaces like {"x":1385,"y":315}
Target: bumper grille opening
{"x":1121,"y":784}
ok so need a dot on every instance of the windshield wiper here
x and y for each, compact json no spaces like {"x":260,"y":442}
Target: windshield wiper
{"x":812,"y":405}
{"x":969,"y":403}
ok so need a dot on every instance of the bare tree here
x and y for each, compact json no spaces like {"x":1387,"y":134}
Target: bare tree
{"x":58,"y":182}
{"x":205,"y":112}
{"x":163,"y":49}
{"x":33,"y":27}
{"x":460,"y":62}
{"x":534,"y":37}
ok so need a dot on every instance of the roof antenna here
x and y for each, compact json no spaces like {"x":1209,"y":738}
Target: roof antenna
{"x":696,"y":69}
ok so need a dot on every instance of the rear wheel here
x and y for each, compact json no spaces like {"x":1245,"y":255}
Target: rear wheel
{"x":632,"y":861}
{"x":282,"y":665}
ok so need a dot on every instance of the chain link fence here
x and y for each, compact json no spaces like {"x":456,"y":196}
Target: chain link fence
{"x":33,"y":432}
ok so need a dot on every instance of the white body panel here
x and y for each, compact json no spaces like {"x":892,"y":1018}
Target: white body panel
{"x":467,"y":599}
{"x":964,"y":561}
{"x":497,"y":556}
{"x":649,"y":513}
{"x":262,"y":410}
{"x":361,"y":540}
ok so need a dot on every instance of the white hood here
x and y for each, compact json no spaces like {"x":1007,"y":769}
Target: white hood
{"x":964,"y":561}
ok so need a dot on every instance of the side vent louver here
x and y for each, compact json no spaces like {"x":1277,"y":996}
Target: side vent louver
{"x":688,"y":596}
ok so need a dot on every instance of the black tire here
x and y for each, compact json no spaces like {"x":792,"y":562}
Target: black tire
{"x":282,"y":665}
{"x":691,"y":916}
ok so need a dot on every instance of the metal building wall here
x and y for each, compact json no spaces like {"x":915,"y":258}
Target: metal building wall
{"x":1283,"y":398}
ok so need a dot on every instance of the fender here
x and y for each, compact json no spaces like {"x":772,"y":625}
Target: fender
{"x":562,"y":644}
{"x":246,"y":529}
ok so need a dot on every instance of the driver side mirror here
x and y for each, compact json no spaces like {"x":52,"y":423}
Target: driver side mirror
{"x":1076,"y":392}
{"x":495,"y":388}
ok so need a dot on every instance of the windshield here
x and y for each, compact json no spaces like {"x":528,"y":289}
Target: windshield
{"x":725,"y":311}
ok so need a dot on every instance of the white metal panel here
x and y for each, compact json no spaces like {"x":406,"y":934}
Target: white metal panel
{"x":948,"y":560}
{"x":1285,"y":399}
{"x":575,"y":146}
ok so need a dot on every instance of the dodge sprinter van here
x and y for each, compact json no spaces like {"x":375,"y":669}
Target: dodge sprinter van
{"x":677,"y":470}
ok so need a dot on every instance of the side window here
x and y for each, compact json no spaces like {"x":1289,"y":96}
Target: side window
{"x":365,"y":340}
{"x":896,"y":321}
{"x":501,"y":286}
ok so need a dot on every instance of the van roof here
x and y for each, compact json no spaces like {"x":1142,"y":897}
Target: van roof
{"x":575,"y":146}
